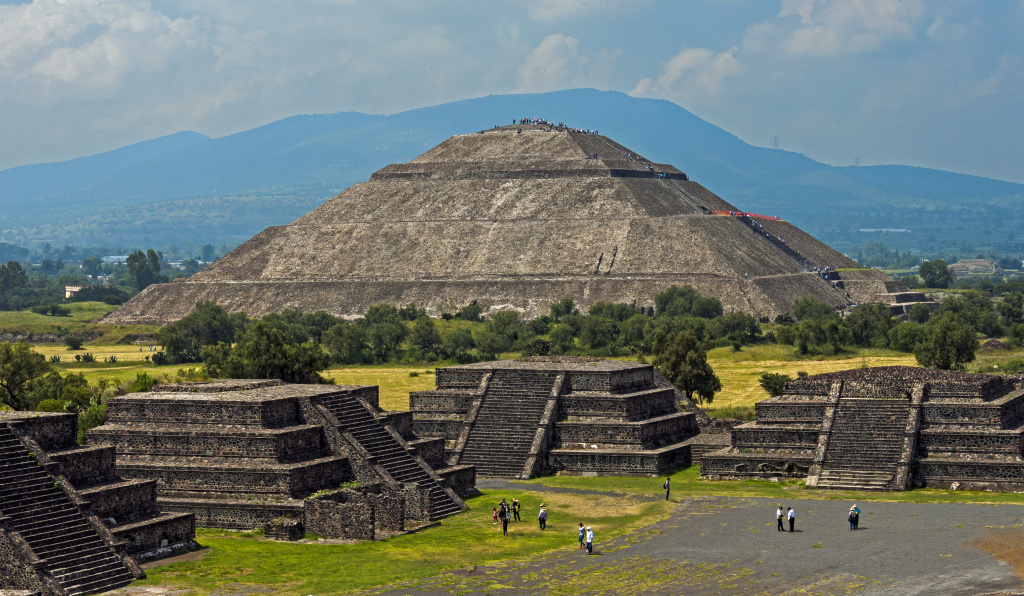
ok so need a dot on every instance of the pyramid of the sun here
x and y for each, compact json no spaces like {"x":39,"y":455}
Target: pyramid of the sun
{"x":518,"y":217}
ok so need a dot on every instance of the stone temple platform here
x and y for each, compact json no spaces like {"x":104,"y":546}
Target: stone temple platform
{"x":69,"y":524}
{"x":885,"y":428}
{"x":521,"y":418}
{"x":240,"y":454}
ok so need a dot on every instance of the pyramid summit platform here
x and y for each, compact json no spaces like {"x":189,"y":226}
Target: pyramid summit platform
{"x":519,"y":217}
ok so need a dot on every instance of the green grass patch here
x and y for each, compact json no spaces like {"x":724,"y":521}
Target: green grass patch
{"x":463,"y":540}
{"x":78,"y":322}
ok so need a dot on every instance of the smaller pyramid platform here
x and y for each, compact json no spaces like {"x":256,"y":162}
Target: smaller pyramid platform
{"x":587,"y":416}
{"x":240,"y":454}
{"x":887,"y":428}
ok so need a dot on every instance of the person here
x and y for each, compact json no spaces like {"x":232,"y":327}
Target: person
{"x":778,"y":516}
{"x":854,"y":517}
{"x":581,"y":534}
{"x":542,"y":517}
{"x":494,"y":516}
{"x":667,"y":486}
{"x":503,"y":515}
{"x":792,"y":517}
{"x":515,"y":509}
{"x":590,"y":540}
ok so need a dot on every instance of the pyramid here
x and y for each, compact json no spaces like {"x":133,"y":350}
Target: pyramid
{"x":519,"y":217}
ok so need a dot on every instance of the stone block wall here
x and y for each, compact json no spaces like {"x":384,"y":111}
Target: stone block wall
{"x":51,"y":431}
{"x":789,"y":411}
{"x":15,"y":571}
{"x":231,"y":514}
{"x":283,"y":529}
{"x":124,"y":501}
{"x":631,"y":407}
{"x":646,"y":434}
{"x":354,"y":514}
{"x":461,"y":479}
{"x":265,"y":413}
{"x":86,"y":467}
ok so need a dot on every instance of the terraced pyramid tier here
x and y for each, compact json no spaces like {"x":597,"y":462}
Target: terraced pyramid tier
{"x":884,"y":429}
{"x":520,"y":418}
{"x":516,"y":217}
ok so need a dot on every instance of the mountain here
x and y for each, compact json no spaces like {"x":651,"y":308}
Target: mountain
{"x":190,"y":188}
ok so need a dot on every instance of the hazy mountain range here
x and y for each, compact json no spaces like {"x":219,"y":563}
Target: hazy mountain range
{"x":187,"y":187}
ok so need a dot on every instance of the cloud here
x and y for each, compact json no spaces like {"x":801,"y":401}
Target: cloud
{"x":1009,"y":66}
{"x":87,"y":49}
{"x":691,"y":73}
{"x":829,"y":27}
{"x":551,"y":65}
{"x":551,"y":11}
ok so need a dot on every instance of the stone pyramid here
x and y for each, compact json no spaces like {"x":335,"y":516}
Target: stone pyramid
{"x":518,"y":217}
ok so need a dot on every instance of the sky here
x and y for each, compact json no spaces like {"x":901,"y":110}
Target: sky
{"x":936,"y":84}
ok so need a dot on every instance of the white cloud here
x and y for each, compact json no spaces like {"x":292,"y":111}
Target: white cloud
{"x":552,"y":64}
{"x":829,"y":27}
{"x":1009,"y":66}
{"x":692,"y":73}
{"x":551,"y":11}
{"x":86,"y":49}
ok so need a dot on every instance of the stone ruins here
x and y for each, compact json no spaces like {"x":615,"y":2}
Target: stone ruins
{"x":539,"y":415}
{"x":520,"y":217}
{"x":885,"y":428}
{"x":245,"y":454}
{"x":68,"y":523}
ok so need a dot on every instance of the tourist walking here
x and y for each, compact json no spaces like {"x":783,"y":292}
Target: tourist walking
{"x":515,"y":509}
{"x":590,"y":540}
{"x":667,"y":486}
{"x":542,"y":517}
{"x":792,"y":517}
{"x":581,"y":534}
{"x":854,"y":517}
{"x":494,"y":516}
{"x":778,"y":516}
{"x":503,"y":515}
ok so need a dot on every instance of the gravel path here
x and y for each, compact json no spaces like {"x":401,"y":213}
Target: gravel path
{"x":730,"y":546}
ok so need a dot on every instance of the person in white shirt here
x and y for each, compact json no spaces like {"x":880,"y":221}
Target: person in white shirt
{"x":792,"y":517}
{"x":778,"y":517}
{"x":590,"y":541}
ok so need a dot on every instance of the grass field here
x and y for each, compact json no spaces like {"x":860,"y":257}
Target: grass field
{"x":467,"y":539}
{"x":79,"y":321}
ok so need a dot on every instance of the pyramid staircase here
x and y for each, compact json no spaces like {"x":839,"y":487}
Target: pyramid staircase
{"x":865,"y":444}
{"x":371,"y":434}
{"x":506,"y":424}
{"x":58,"y":533}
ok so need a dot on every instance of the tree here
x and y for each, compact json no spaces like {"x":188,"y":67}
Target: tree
{"x":92,"y":265}
{"x":12,"y":276}
{"x":809,"y":307}
{"x":19,"y":366}
{"x":596,"y":332}
{"x":561,"y":338}
{"x":144,"y":268}
{"x":206,"y":325}
{"x":457,"y":343}
{"x":565,"y":306}
{"x":208,"y":253}
{"x":948,"y":342}
{"x":935,"y":273}
{"x":385,"y":330}
{"x":1011,"y":308}
{"x":424,"y":334}
{"x":682,"y":359}
{"x":919,"y":313}
{"x":265,"y":352}
{"x":870,"y":324}
{"x":774,"y":383}
{"x":905,"y":336}
{"x":346,"y":342}
{"x":682,"y":301}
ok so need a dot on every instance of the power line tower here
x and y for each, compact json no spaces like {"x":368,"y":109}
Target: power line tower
{"x":775,"y":142}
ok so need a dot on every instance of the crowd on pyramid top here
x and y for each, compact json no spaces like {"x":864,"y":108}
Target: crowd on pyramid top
{"x":560,"y":125}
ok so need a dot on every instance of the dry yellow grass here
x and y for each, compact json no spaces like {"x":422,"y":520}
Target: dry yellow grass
{"x":741,"y":371}
{"x":394,"y":381}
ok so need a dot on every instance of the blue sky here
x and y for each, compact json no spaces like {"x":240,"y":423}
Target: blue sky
{"x":937,"y":84}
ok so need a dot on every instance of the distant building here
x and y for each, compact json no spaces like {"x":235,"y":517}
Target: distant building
{"x":70,"y":291}
{"x":115,"y":259}
{"x":975,"y":267}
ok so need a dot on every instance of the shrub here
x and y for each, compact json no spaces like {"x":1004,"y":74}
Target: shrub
{"x":113,"y":300}
{"x":774,"y":383}
{"x":73,"y":343}
{"x":87,"y":357}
